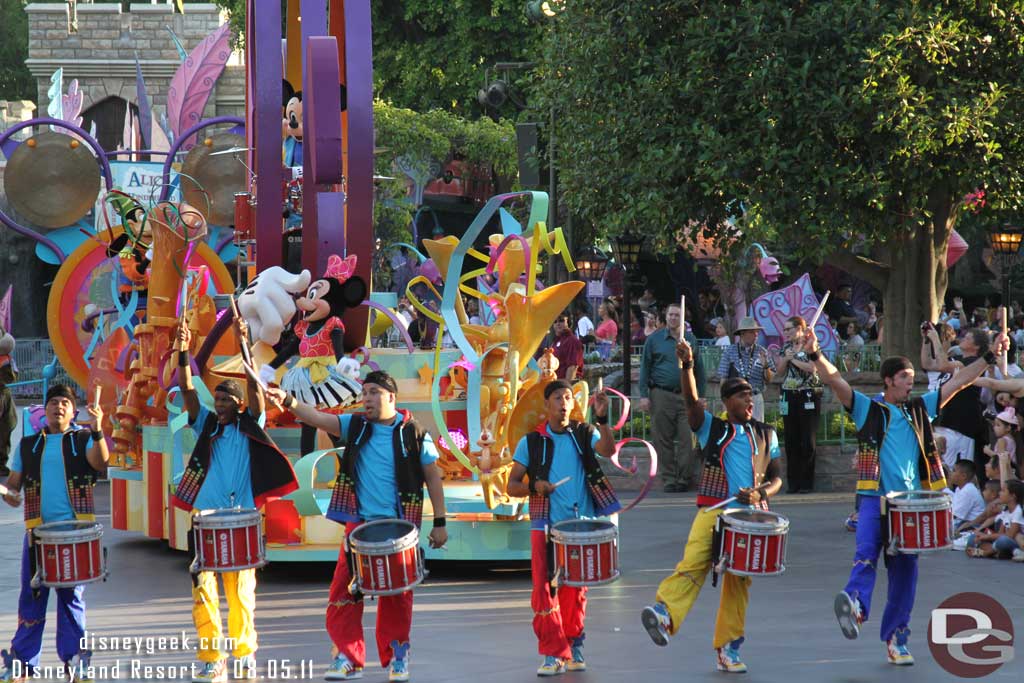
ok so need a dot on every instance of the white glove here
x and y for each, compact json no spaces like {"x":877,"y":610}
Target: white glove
{"x":267,"y":303}
{"x":348,"y":367}
{"x":267,"y":374}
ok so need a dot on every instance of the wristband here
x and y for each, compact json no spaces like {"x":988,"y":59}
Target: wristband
{"x":290,"y":402}
{"x":183,"y":359}
{"x":440,"y":522}
{"x":990,"y":358}
{"x":813,"y":356}
{"x":688,"y":365}
{"x":97,"y":435}
{"x":600,"y":419}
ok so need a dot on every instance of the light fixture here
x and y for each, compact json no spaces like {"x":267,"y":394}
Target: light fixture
{"x":1006,"y":239}
{"x":494,"y":95}
{"x":627,"y":248}
{"x":590,"y":263}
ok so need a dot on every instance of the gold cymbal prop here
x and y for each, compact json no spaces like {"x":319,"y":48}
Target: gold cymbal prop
{"x":210,"y":180}
{"x":52,"y":179}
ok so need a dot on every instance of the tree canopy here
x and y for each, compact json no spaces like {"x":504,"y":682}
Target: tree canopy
{"x":851,"y":130}
{"x":16,"y":83}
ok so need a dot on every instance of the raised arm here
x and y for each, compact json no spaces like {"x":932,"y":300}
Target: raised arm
{"x":969,"y":374}
{"x":605,"y":446}
{"x":253,"y":390}
{"x":97,"y":454}
{"x":306,"y":414}
{"x":189,"y":397}
{"x":1014,"y":386}
{"x":694,"y":410}
{"x":828,"y":372}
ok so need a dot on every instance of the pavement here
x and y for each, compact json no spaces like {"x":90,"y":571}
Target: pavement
{"x":472,"y":622}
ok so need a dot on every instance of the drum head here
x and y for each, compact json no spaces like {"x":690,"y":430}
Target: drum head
{"x":70,"y":530}
{"x":382,"y":531}
{"x":226,"y":517}
{"x":754,"y":520}
{"x":919,"y":499}
{"x":577,"y":526}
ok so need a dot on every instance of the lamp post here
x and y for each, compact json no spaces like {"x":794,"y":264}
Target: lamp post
{"x":1006,"y":241}
{"x":626,"y":248}
{"x":590,"y":263}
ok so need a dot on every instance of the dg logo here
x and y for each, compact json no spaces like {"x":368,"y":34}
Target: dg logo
{"x":970,"y":635}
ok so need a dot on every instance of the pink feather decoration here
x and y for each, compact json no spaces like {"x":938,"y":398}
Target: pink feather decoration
{"x":194,"y":80}
{"x":72,"y":102}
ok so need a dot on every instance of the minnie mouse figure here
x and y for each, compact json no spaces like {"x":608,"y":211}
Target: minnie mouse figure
{"x":323,"y":376}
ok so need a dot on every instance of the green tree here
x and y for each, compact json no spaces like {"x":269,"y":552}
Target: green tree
{"x":16,"y":83}
{"x":432,"y":55}
{"x":851,"y":129}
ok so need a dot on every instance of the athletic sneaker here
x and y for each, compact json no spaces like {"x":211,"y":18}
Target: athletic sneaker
{"x":399,"y":670}
{"x":211,"y":672}
{"x":552,"y":666}
{"x":656,"y":620}
{"x":851,"y":522}
{"x":7,"y":668}
{"x":343,"y":670}
{"x":897,"y":647}
{"x":729,"y":658}
{"x":77,"y":668}
{"x":849,"y":614}
{"x":1018,"y":555}
{"x":577,"y":663}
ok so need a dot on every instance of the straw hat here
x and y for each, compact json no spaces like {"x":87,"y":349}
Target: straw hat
{"x":747,"y":324}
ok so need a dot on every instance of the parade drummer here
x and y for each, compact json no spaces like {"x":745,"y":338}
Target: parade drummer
{"x":561,"y":451}
{"x":895,"y":452}
{"x":387,"y":460}
{"x":740,"y":459}
{"x":57,"y":469}
{"x":234,"y":464}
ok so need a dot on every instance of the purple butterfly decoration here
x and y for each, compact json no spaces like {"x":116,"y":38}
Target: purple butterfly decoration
{"x":771,"y":310}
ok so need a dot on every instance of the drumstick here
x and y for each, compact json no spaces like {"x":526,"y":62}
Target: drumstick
{"x":821,"y":307}
{"x":682,"y":316}
{"x":96,"y":396}
{"x":181,"y":318}
{"x":560,"y":482}
{"x":1002,"y":356}
{"x":720,"y":505}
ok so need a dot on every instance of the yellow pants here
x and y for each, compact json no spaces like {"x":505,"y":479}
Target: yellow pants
{"x":240,"y":591}
{"x":679,"y":591}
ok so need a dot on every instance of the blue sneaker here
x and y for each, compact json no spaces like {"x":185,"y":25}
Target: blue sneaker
{"x":897,"y":648}
{"x":851,"y":522}
{"x":729,"y":658}
{"x":552,"y":666}
{"x":656,"y":620}
{"x":7,"y":668}
{"x":399,"y":670}
{"x":577,"y":663}
{"x":343,"y":670}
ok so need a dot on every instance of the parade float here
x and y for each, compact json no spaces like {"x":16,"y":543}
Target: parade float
{"x":158,"y":256}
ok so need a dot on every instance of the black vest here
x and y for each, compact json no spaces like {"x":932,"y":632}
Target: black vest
{"x":714,"y":485}
{"x":80,"y":475}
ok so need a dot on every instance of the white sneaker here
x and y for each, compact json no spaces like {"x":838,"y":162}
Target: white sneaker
{"x":211,"y":672}
{"x":343,"y":670}
{"x":1018,"y":555}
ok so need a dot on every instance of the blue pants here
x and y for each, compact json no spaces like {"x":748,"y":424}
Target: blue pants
{"x":902,"y":570}
{"x":28,"y":639}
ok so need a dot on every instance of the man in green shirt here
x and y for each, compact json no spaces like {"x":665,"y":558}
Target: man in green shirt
{"x":661,"y":397}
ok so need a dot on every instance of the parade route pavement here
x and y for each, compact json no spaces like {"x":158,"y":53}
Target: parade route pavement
{"x":473,"y":623}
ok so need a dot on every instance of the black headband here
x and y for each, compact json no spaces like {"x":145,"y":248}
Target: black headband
{"x":735,"y":386}
{"x":231,"y":388}
{"x":383,"y":379}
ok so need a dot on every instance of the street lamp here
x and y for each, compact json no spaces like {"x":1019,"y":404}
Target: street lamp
{"x":590,"y":263}
{"x":626,"y":248}
{"x":1006,"y":241}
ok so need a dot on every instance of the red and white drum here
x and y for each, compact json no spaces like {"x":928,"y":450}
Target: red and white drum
{"x":243,"y":214}
{"x":68,"y":554}
{"x":228,"y":540}
{"x":752,"y":542}
{"x":387,"y":556}
{"x":920,"y":521}
{"x":586,"y":552}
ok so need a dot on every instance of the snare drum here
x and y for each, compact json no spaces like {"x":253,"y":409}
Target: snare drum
{"x":919,"y":521}
{"x":228,"y":540}
{"x":68,"y":554}
{"x":387,"y":556}
{"x":751,"y":542}
{"x":586,"y":552}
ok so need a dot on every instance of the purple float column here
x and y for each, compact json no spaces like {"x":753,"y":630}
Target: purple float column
{"x":358,"y":139}
{"x":314,"y":24}
{"x":263,"y":103}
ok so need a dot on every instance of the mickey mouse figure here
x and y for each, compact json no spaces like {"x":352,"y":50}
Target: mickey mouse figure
{"x":324,"y":376}
{"x":291,"y":126}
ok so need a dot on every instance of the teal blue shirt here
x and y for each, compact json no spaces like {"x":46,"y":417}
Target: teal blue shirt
{"x":900,"y":450}
{"x":574,"y":494}
{"x":229,"y":473}
{"x":56,"y":506}
{"x":739,"y":466}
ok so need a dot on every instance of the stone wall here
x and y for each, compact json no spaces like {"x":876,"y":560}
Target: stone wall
{"x":101,"y":54}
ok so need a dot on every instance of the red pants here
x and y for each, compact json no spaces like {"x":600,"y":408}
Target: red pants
{"x":557,"y":621}
{"x":345,"y":616}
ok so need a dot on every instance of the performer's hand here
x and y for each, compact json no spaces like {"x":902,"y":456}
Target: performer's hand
{"x":242,"y":329}
{"x":645,"y":405}
{"x":543,"y":487}
{"x":600,"y":404}
{"x":749,"y":496}
{"x":438,"y":536}
{"x":1000,"y":344}
{"x":12,"y":498}
{"x":95,"y":416}
{"x":809,"y":343}
{"x":183,"y":335}
{"x":276,"y":396}
{"x":683,"y":351}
